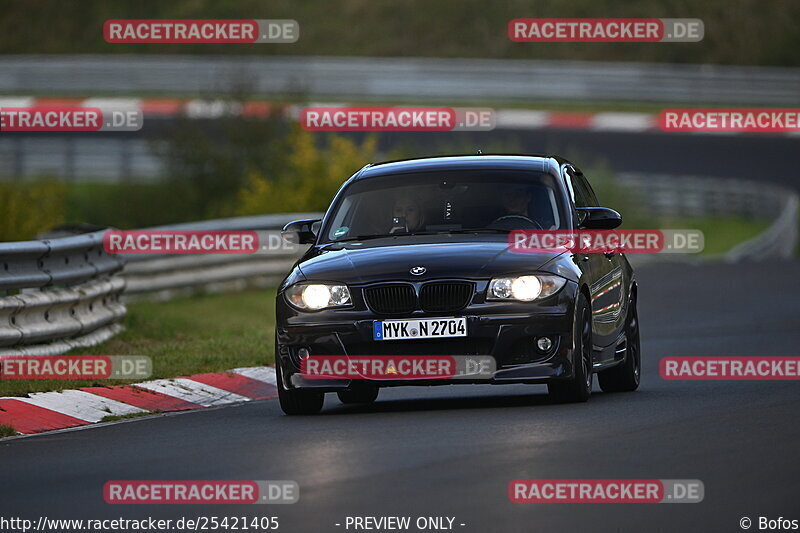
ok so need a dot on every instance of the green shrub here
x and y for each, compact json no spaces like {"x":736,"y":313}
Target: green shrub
{"x":126,"y":205}
{"x":311,"y":176}
{"x":208,"y":165}
{"x":27,"y":208}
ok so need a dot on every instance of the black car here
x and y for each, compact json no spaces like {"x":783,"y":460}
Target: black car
{"x":428,"y":238}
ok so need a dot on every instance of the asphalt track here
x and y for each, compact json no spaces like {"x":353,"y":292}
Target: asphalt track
{"x":451,"y":451}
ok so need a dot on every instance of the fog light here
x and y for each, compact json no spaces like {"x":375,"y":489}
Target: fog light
{"x":544,"y":344}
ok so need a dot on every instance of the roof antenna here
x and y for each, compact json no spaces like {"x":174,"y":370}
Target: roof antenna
{"x":478,"y":152}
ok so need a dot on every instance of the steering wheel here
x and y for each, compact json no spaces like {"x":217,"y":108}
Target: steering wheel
{"x":528,"y":223}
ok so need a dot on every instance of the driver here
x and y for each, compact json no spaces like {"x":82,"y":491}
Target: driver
{"x":514,"y":200}
{"x":407,"y":215}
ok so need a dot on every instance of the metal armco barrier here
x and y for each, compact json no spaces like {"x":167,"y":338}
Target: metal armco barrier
{"x":72,"y":291}
{"x":697,"y":196}
{"x":55,"y":262}
{"x":780,"y":240}
{"x":67,"y":313}
{"x":58,"y":290}
{"x":411,"y":79}
{"x":166,"y":276}
{"x":59,"y":294}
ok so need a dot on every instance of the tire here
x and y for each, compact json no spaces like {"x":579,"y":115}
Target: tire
{"x":359,"y":394}
{"x":579,"y":387}
{"x":298,"y":401}
{"x":625,"y":377}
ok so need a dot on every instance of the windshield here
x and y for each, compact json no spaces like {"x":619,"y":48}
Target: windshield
{"x":445,"y":202}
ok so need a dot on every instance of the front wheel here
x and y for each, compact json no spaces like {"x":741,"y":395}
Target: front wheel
{"x":625,"y":376}
{"x":298,"y":401}
{"x":579,"y":387}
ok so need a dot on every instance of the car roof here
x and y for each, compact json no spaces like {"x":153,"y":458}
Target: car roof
{"x":542,"y":163}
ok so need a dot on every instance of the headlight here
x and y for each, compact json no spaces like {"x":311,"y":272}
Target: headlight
{"x":316,"y":296}
{"x":525,"y":288}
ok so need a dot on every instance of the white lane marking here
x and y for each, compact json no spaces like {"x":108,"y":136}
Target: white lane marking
{"x":193,"y":391}
{"x":16,"y":101}
{"x":80,"y":404}
{"x":113,"y":103}
{"x":261,"y":373}
{"x":521,"y":119}
{"x":211,"y":108}
{"x":623,"y":121}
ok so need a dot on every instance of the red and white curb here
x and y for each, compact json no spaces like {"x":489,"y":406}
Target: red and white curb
{"x":47,"y":411}
{"x":210,"y":109}
{"x":531,"y":119}
{"x":518,"y":119}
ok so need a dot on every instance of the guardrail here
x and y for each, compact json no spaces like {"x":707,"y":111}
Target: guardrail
{"x":56,"y":294}
{"x":408,"y":79}
{"x":780,"y":240}
{"x":72,"y":292}
{"x":696,"y":196}
{"x":699,"y":196}
{"x":64,"y":293}
{"x":165,"y":277}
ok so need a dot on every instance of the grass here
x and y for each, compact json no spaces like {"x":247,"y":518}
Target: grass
{"x":720,"y":234}
{"x":204,"y":333}
{"x":7,"y":431}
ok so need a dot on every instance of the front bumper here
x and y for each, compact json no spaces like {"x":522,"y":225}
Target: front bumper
{"x":504,"y":330}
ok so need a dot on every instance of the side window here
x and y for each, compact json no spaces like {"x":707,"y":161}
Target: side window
{"x":586,"y":190}
{"x":579,"y":193}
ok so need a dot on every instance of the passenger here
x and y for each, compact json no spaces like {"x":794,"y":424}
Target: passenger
{"x":407,"y":215}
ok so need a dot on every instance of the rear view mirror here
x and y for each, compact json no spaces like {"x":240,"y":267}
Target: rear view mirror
{"x":304,"y":230}
{"x":598,"y":218}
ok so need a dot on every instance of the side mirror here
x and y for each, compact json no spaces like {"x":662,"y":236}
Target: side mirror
{"x":598,"y":218}
{"x":306,"y":231}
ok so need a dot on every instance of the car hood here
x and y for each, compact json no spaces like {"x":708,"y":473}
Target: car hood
{"x":393,"y":262}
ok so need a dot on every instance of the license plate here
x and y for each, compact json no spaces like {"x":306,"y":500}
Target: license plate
{"x":423,"y":328}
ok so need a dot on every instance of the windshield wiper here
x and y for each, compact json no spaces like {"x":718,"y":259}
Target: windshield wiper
{"x":365,"y":237}
{"x":461,"y":231}
{"x":480,"y":230}
{"x":448,"y":232}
